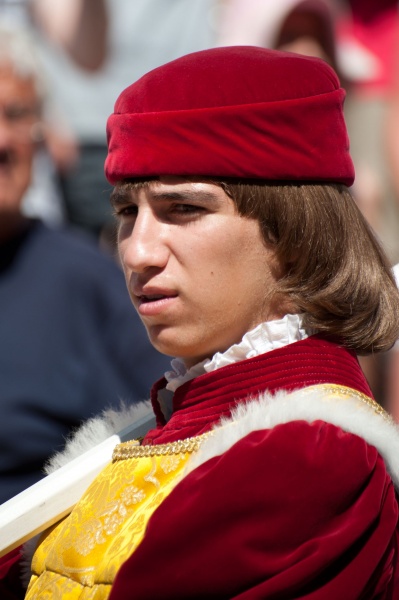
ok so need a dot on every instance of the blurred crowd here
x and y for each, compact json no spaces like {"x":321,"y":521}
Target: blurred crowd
{"x":62,"y":65}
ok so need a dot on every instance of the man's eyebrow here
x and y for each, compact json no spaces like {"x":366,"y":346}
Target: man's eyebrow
{"x":119,"y":197}
{"x":122,"y":196}
{"x":184,"y":195}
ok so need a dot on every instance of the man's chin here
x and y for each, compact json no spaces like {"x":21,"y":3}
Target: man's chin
{"x":163,"y":344}
{"x":166,"y":340}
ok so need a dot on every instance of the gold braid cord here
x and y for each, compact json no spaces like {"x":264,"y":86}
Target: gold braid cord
{"x":132,"y":449}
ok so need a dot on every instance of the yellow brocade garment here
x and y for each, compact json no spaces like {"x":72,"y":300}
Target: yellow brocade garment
{"x":80,"y":556}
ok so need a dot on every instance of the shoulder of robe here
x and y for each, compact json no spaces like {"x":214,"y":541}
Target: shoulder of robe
{"x":344,"y":408}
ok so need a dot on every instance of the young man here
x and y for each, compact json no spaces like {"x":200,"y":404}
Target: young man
{"x":271,"y":472}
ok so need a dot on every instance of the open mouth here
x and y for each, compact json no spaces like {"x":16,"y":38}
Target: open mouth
{"x":153,"y":305}
{"x":152,"y":298}
{"x":155,"y":298}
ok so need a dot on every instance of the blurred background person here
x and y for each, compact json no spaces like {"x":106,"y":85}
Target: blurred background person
{"x":368,"y":34}
{"x":324,"y":28}
{"x":70,"y":342}
{"x":92,"y":49}
{"x":43,"y":197}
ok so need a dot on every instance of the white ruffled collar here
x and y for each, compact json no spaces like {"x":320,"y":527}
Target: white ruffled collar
{"x":265,"y":337}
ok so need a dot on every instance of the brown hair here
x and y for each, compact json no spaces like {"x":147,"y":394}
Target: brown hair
{"x":335,"y":270}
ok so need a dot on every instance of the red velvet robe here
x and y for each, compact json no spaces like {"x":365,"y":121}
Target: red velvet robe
{"x":301,"y":510}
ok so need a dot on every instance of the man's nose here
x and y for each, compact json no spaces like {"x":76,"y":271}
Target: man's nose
{"x":146,"y":245}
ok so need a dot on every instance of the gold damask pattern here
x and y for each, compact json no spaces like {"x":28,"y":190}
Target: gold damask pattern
{"x":80,"y":556}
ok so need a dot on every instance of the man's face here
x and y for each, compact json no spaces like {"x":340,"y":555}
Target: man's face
{"x":199,"y":274}
{"x":18,"y":114}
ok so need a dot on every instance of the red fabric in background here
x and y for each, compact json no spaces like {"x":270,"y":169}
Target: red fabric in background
{"x":375,"y":26}
{"x":282,"y":515}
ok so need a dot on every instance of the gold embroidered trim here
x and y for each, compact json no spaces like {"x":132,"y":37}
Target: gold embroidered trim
{"x":347,"y":391}
{"x":132,"y":448}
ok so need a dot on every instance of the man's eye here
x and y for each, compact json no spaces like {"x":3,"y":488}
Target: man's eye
{"x":126,"y":211}
{"x":187,"y":208}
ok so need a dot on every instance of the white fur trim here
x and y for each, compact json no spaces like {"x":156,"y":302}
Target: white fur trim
{"x":95,"y":431}
{"x":308,"y":404}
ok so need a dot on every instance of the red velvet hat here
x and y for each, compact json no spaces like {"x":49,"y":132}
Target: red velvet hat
{"x":242,"y":112}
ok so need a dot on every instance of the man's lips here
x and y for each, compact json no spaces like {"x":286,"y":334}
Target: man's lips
{"x":151,"y":300}
{"x":154,"y":297}
{"x":151,"y":293}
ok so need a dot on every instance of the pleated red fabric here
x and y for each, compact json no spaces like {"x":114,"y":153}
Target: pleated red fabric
{"x":203,"y":400}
